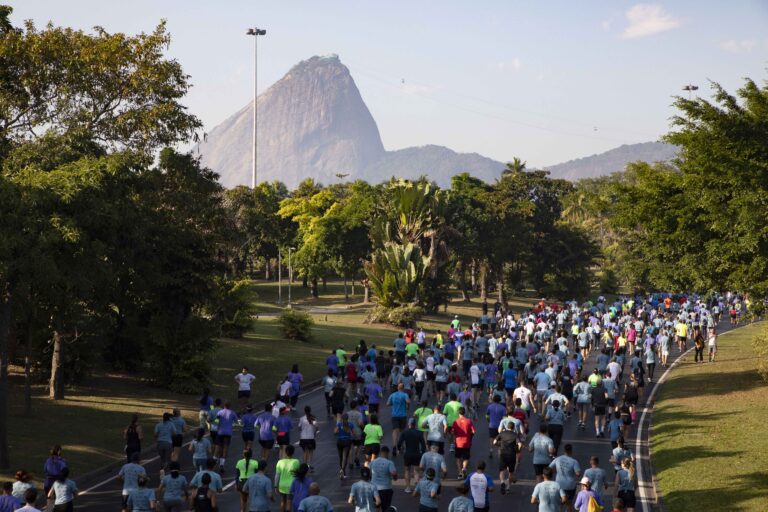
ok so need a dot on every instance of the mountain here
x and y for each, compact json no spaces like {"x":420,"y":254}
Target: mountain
{"x":314,"y":123}
{"x":613,"y":160}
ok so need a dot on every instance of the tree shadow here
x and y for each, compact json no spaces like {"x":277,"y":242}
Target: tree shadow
{"x":684,"y":386}
{"x":744,"y":494}
{"x":676,"y":420}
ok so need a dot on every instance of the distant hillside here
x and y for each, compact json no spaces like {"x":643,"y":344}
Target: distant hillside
{"x":613,"y":160}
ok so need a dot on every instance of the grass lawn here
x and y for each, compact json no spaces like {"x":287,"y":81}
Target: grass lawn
{"x":89,"y":423}
{"x":709,"y":450}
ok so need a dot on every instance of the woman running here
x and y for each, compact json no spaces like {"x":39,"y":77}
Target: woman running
{"x":204,"y":499}
{"x":201,"y":450}
{"x":246,"y":468}
{"x":343,"y":432}
{"x":133,"y":435}
{"x":63,"y":492}
{"x":308,"y":430}
{"x":54,"y":466}
{"x":173,"y":489}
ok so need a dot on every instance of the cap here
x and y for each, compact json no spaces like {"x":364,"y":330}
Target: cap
{"x":552,"y":384}
{"x":585,"y":481}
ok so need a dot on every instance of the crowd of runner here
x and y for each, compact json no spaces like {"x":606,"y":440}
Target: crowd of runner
{"x":523,"y":378}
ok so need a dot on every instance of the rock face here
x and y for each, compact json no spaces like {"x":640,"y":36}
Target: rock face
{"x":613,"y":160}
{"x":311,"y":123}
{"x":314,"y":124}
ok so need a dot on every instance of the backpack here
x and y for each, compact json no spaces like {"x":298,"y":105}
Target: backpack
{"x":593,"y":505}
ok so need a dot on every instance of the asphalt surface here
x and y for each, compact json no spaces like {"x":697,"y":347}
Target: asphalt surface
{"x":106,"y":496}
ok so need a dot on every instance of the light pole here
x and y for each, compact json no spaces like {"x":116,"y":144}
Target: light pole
{"x":279,"y":277}
{"x":690,"y":88}
{"x":290,"y":275}
{"x":255,"y":32}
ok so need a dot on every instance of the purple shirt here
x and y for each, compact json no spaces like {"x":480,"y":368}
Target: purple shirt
{"x":495,"y":413}
{"x":9,"y":503}
{"x":283,"y":424}
{"x":582,"y":500}
{"x":226,"y":419}
{"x":374,"y":393}
{"x":332,"y":362}
{"x":266,"y":421}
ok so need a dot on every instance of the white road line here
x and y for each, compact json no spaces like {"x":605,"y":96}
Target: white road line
{"x":641,"y":484}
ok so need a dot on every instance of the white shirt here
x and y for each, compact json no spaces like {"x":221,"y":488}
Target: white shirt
{"x":524,"y":394}
{"x":28,"y":508}
{"x":244,"y":381}
{"x":474,"y":374}
{"x":308,"y":429}
{"x":478,"y":484}
{"x":285,"y":388}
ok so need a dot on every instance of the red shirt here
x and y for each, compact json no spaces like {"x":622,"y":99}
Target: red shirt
{"x":463,"y":429}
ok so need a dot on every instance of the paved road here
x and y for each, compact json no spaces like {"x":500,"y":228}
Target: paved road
{"x":106,"y":496}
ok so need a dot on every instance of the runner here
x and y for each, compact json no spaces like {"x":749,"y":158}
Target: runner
{"x":547,"y":494}
{"x":248,"y":427}
{"x":567,"y":473}
{"x":480,"y":485}
{"x":586,"y":496}
{"x":173,"y":490}
{"x":625,"y":484}
{"x":284,"y":475}
{"x":372,"y":434}
{"x":227,"y":419}
{"x":461,"y":503}
{"x":164,"y":432}
{"x":245,"y":469}
{"x":314,"y":502}
{"x":343,"y":432}
{"x":282,"y":429}
{"x":398,"y":402}
{"x":428,"y":492}
{"x":383,"y":472}
{"x":363,"y":494}
{"x":178,"y":438}
{"x":214,"y":482}
{"x":129,"y":475}
{"x":412,"y":441}
{"x":63,"y":492}
{"x":507,"y":441}
{"x":140,"y":499}
{"x":259,"y":490}
{"x":30,"y":498}
{"x":264,"y":424}
{"x":300,"y":486}
{"x":597,"y":478}
{"x":435,"y":461}
{"x":543,"y":450}
{"x":204,"y":499}
{"x":463,"y":432}
{"x":133,"y":435}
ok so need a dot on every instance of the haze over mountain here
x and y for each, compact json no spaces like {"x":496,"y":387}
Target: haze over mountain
{"x":314,"y":123}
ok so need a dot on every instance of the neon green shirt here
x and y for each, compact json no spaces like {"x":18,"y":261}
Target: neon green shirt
{"x":373,"y":433}
{"x":341,"y":356}
{"x":421,"y":416}
{"x":243,"y":472}
{"x":285,"y":469}
{"x":451,"y":411}
{"x":411,"y":349}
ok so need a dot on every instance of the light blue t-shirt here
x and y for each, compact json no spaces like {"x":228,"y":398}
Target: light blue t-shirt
{"x":381,"y":473}
{"x":216,"y":483}
{"x":165,"y":430}
{"x":541,"y":445}
{"x":140,"y":500}
{"x":174,"y":487}
{"x":625,"y":483}
{"x":399,"y":402}
{"x":315,"y":504}
{"x":130,"y":474}
{"x":64,"y":491}
{"x":567,"y":469}
{"x":461,"y":504}
{"x":597,"y":477}
{"x":435,"y":461}
{"x":364,"y":496}
{"x":259,"y":489}
{"x":201,"y":448}
{"x":549,"y":495}
{"x":426,"y":488}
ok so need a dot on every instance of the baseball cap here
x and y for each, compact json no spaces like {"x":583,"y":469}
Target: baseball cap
{"x":585,"y":481}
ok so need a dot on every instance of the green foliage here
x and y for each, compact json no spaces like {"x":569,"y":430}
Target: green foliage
{"x":395,"y":272}
{"x":401,"y":316}
{"x":760,"y":346}
{"x":608,"y":282}
{"x":236,"y":308}
{"x":296,"y":325}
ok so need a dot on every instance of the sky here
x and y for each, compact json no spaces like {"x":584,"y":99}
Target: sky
{"x":546,"y":80}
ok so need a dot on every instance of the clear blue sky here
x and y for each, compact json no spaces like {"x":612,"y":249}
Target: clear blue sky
{"x":543,"y":80}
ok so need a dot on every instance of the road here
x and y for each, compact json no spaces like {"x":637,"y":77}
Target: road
{"x":103,"y":494}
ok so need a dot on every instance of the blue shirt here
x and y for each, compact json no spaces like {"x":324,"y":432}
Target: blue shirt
{"x":426,"y":488}
{"x":165,"y":430}
{"x":174,"y":487}
{"x":495,"y":413}
{"x":381,"y":473}
{"x":567,"y":469}
{"x":374,"y":393}
{"x":332,"y":362}
{"x":399,"y":402}
{"x":510,"y":378}
{"x":364,"y":496}
{"x":315,"y":504}
{"x":266,"y":421}
{"x":248,"y":420}
{"x":226,"y":419}
{"x":549,"y":495}
{"x":216,"y":484}
{"x":140,"y":500}
{"x":201,"y":448}
{"x":259,"y":490}
{"x":130,"y":474}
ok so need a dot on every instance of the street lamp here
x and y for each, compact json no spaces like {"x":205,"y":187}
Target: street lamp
{"x":255,"y":32}
{"x":690,"y":88}
{"x":290,"y":275}
{"x":279,"y":277}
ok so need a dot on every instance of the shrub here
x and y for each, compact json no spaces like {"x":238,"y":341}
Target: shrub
{"x":609,"y":283}
{"x":402,"y":316}
{"x":237,"y":309}
{"x":296,"y":325}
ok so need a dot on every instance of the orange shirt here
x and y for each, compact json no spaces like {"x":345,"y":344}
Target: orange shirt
{"x":463,"y":429}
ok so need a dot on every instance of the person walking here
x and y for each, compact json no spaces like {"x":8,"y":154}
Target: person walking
{"x":585,"y":496}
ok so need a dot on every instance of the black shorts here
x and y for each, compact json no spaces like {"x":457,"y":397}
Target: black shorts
{"x":248,"y":436}
{"x":177,"y":440}
{"x":430,"y":375}
{"x":538,"y":469}
{"x":245,"y":393}
{"x":337,"y":409}
{"x":570,"y":494}
{"x":284,"y":440}
{"x":493,"y":432}
{"x":479,"y":385}
{"x":507,"y":462}
{"x":223,"y":440}
{"x":628,"y":497}
{"x":441,"y":385}
{"x":411,"y":459}
{"x":307,"y":444}
{"x":399,"y":422}
{"x":267,"y":445}
{"x":372,"y":449}
{"x":599,"y":410}
{"x":462,"y":453}
{"x":214,"y":436}
{"x":611,"y":402}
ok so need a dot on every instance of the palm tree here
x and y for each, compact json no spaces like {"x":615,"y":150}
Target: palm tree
{"x":515,"y":166}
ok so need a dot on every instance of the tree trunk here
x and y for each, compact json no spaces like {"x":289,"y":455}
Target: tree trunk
{"x":5,"y":327}
{"x":502,"y":295}
{"x":304,"y":283}
{"x":266,"y":269}
{"x":366,"y":294}
{"x":28,"y":371}
{"x":325,"y":284}
{"x":483,"y":283}
{"x":346,"y":294}
{"x":353,"y":286}
{"x":473,"y":276}
{"x":463,"y":282}
{"x":56,"y":385}
{"x":314,"y":291}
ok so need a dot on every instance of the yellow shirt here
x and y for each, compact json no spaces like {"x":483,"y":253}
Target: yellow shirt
{"x":682,"y":329}
{"x":622,"y":341}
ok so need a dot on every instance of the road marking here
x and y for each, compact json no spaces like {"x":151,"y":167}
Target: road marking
{"x":641,"y":483}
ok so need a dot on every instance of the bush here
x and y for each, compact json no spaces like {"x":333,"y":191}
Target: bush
{"x":237,"y":310}
{"x":609,"y":283}
{"x":296,"y":325}
{"x":760,"y":345}
{"x":401,"y":316}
